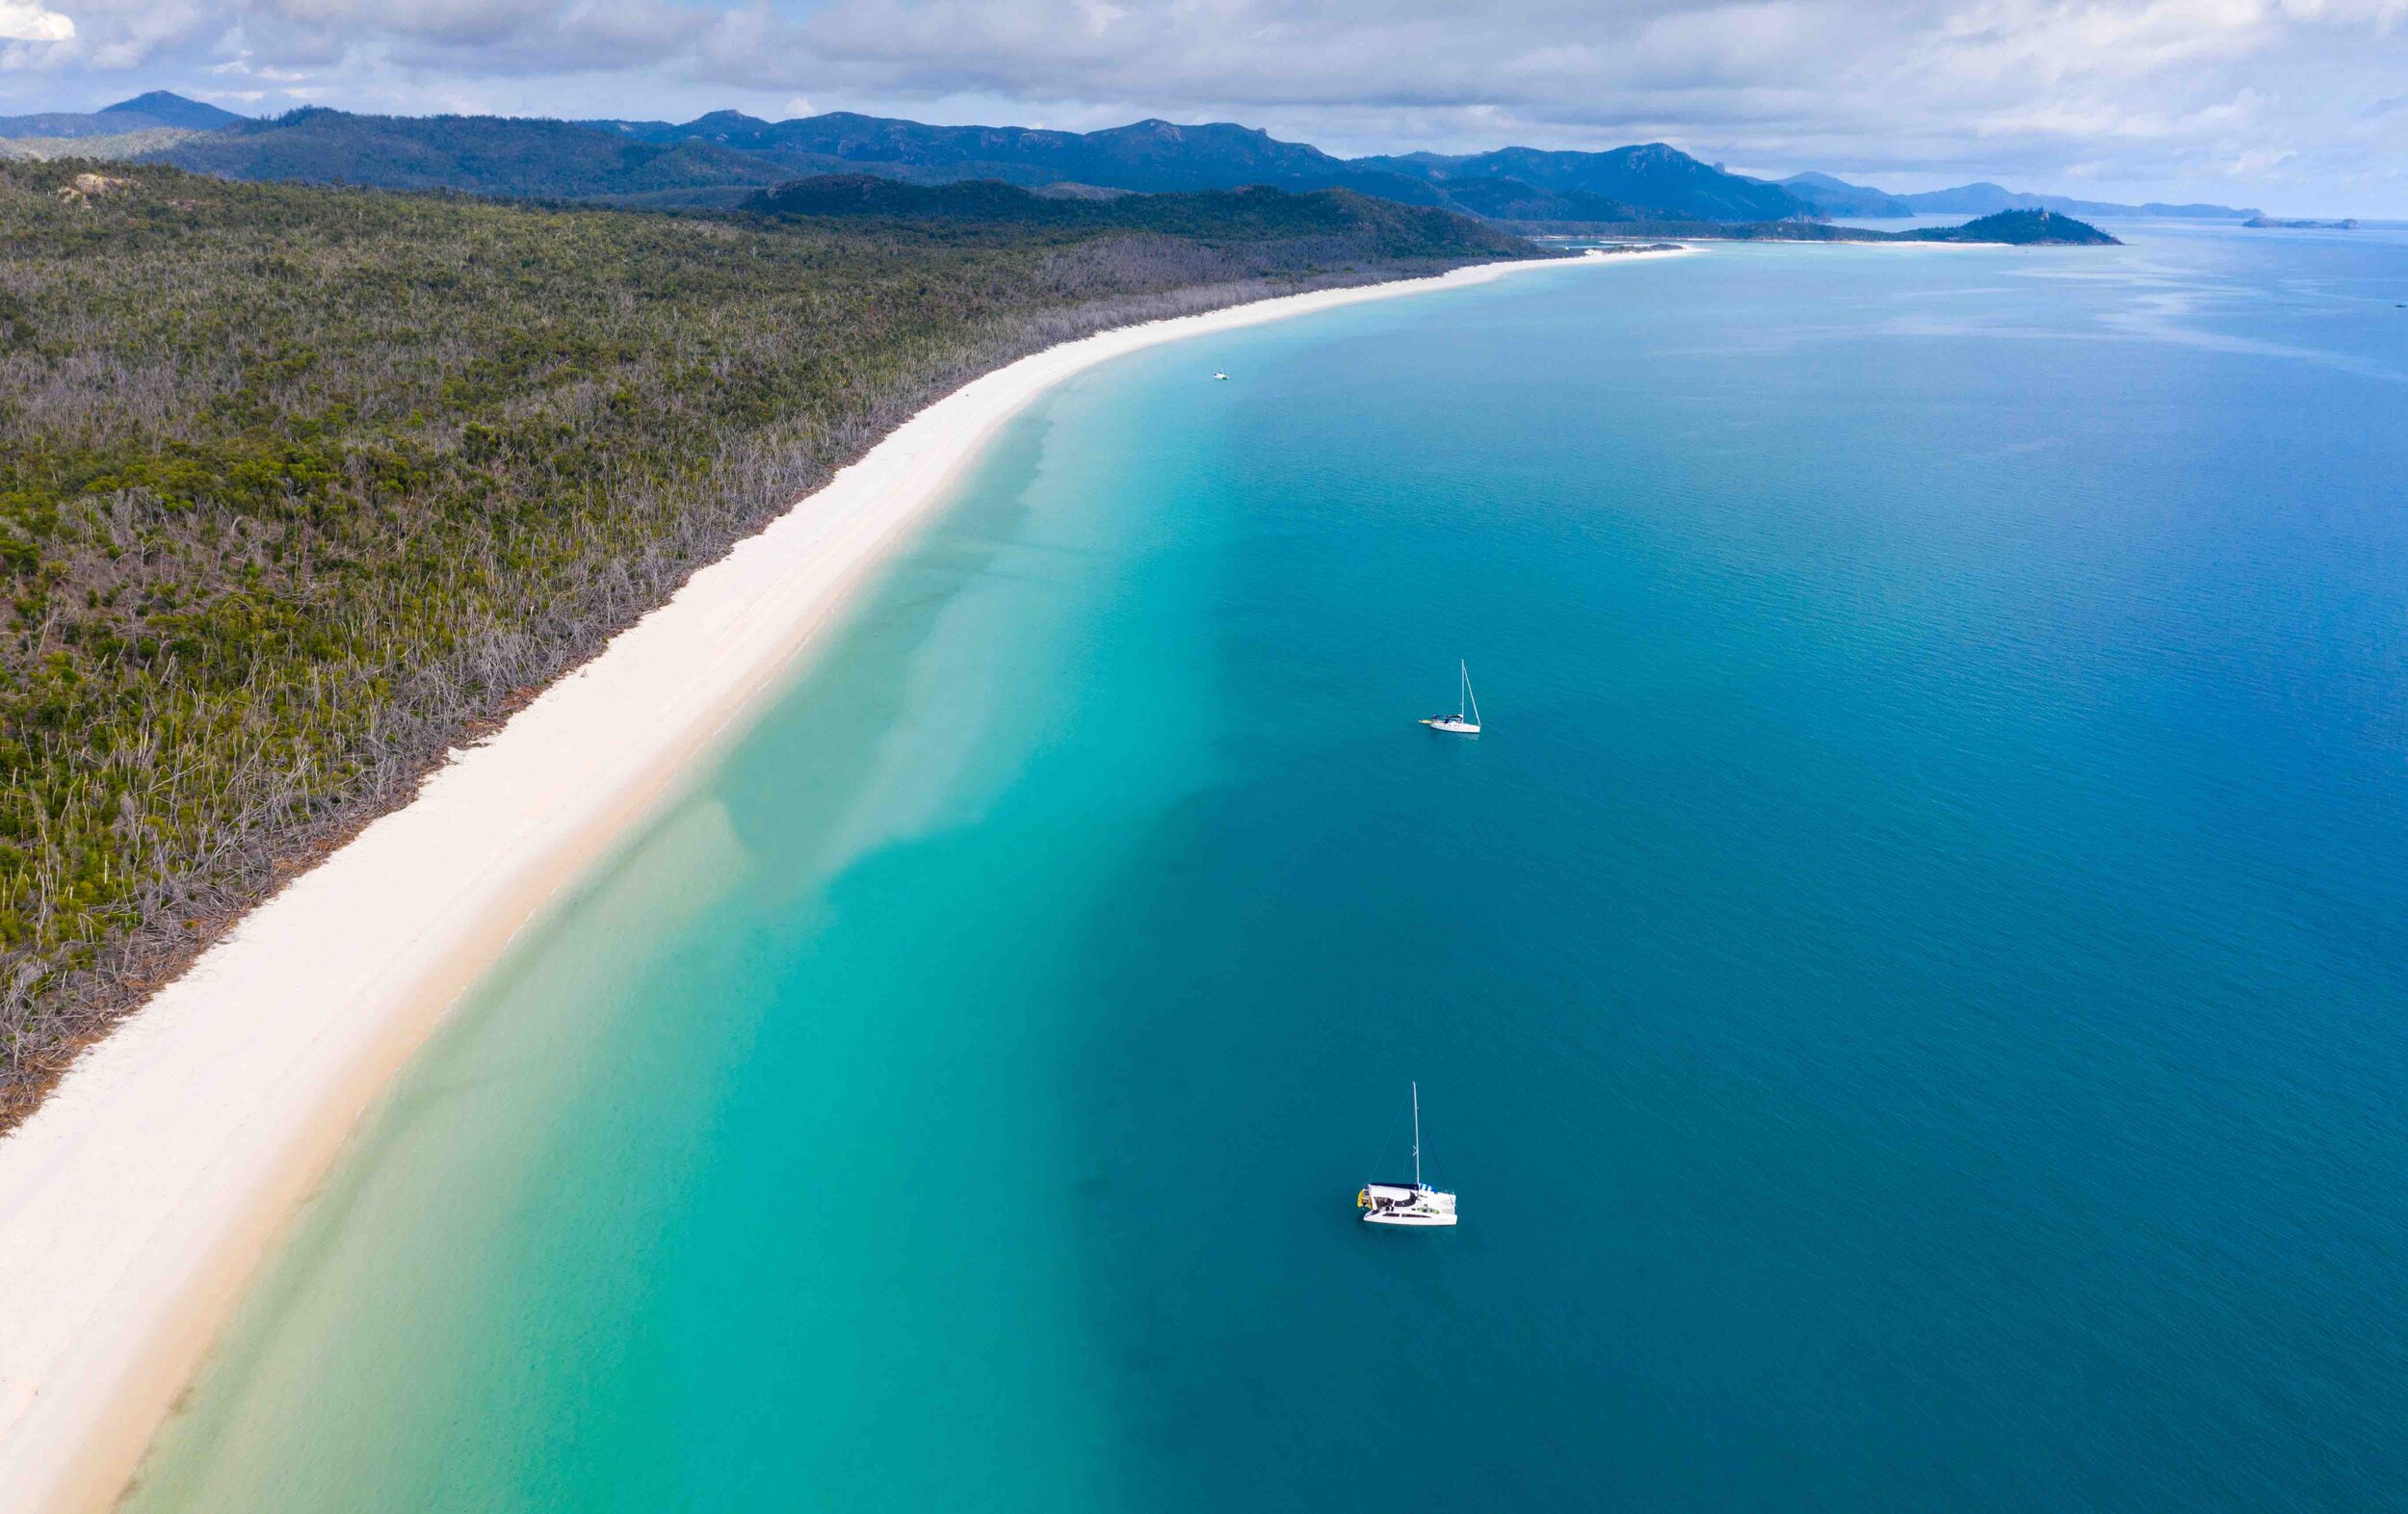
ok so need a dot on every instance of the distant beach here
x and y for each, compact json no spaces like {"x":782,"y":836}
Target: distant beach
{"x":137,"y":1201}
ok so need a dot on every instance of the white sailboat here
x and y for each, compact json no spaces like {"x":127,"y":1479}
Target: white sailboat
{"x":1465,"y":721}
{"x":1395,"y":1204}
{"x":1218,"y":374}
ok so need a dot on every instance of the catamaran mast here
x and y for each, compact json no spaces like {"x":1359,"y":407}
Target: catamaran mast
{"x":1417,"y":1134}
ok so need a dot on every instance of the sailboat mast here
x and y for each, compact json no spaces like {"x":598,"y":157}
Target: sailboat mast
{"x":1417,"y":1134}
{"x":1463,"y":689}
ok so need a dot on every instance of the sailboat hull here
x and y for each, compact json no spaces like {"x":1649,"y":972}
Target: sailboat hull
{"x":1395,"y":1204}
{"x":1448,"y":723}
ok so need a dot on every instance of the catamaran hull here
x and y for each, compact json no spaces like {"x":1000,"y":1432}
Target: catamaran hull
{"x":1393,"y":1203}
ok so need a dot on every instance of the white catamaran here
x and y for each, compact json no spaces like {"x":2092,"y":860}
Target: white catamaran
{"x":1465,"y":721}
{"x":1393,"y":1203}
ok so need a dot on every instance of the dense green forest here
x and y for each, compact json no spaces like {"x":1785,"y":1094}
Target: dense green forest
{"x":477,"y":154}
{"x":1257,"y":212}
{"x":300,"y":486}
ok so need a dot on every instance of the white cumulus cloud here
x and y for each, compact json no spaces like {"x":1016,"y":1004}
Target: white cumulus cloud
{"x":25,"y":21}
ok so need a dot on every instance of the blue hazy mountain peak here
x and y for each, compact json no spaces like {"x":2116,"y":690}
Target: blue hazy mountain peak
{"x":143,"y":113}
{"x":163,"y":107}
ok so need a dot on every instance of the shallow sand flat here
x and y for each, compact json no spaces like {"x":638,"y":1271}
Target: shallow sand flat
{"x":136,"y":1203}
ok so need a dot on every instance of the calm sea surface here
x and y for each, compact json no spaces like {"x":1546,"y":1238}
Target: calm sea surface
{"x":1911,"y":989}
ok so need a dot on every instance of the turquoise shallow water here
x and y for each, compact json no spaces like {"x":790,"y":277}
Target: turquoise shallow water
{"x":1909,"y":988}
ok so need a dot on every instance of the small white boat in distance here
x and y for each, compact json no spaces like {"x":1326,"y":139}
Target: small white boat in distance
{"x":1395,"y":1204}
{"x":1218,"y":374}
{"x":1465,"y":721}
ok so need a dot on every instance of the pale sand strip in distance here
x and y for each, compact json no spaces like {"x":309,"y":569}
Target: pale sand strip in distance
{"x":137,"y":1202}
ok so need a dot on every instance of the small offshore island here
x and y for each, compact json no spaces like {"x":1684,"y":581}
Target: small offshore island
{"x":2015,"y":228}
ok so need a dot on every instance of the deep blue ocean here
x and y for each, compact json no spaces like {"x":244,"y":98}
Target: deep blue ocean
{"x":1911,"y":986}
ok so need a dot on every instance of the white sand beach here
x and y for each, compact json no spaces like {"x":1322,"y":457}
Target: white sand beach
{"x":137,"y":1203}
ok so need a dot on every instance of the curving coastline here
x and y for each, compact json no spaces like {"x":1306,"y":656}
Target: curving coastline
{"x":136,"y":1203}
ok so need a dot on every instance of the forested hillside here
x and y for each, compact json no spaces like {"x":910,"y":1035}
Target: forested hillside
{"x":300,"y":486}
{"x":480,"y":154}
{"x":715,"y":158}
{"x":1254,"y":213}
{"x":1150,"y":156}
{"x":1654,"y":180}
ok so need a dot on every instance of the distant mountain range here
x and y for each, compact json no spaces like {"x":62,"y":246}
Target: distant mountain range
{"x":1149,"y":156}
{"x":1832,"y":196}
{"x":721,"y":158}
{"x":1653,"y":177}
{"x":703,"y":159}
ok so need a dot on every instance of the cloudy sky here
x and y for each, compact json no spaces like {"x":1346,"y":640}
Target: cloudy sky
{"x":2299,"y":105}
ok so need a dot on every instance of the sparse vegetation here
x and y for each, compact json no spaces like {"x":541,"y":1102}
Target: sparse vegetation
{"x":298,"y":487}
{"x":121,"y":145}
